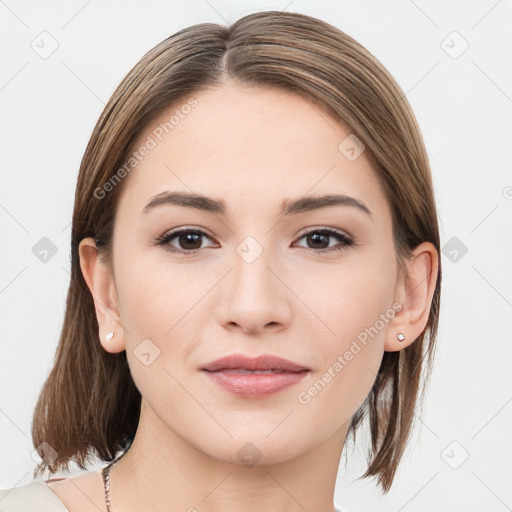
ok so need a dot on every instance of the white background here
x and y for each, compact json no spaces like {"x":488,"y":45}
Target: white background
{"x":464,"y":108}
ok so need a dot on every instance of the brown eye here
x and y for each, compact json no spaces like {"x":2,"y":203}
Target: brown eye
{"x":319,"y":239}
{"x":189,"y":240}
{"x":186,"y":241}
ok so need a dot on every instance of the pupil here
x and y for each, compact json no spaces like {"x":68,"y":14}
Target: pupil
{"x":317,"y":238}
{"x":188,"y":238}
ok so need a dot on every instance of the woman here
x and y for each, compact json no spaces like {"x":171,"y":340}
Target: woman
{"x":254,"y":272}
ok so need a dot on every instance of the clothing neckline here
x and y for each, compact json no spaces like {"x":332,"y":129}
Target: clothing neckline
{"x":45,"y":482}
{"x":65,"y":509}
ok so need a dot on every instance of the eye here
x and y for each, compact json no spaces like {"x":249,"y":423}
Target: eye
{"x":189,"y":239}
{"x":319,"y":239}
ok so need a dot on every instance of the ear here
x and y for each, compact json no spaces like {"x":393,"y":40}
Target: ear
{"x":414,"y":292}
{"x":100,"y":281}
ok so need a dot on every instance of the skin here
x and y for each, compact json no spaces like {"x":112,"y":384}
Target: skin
{"x":253,"y":147}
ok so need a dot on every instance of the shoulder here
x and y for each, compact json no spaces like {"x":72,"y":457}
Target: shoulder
{"x":35,"y":496}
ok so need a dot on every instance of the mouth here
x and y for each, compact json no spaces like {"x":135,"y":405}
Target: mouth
{"x":245,"y":371}
{"x":254,"y":377}
{"x":261,"y":363}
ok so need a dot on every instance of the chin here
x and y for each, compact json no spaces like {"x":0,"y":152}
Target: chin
{"x":251,"y":447}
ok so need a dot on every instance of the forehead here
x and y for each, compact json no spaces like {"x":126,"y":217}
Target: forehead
{"x":243,"y":143}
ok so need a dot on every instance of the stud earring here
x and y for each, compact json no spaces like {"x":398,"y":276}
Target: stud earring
{"x":109,"y":336}
{"x":400,"y":336}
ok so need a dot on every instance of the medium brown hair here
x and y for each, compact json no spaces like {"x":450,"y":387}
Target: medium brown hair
{"x":89,"y":402}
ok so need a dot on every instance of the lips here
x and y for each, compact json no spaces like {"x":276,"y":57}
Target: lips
{"x":265,"y":363}
{"x":254,"y":377}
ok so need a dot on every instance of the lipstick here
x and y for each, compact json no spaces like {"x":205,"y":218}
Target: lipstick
{"x":254,"y":377}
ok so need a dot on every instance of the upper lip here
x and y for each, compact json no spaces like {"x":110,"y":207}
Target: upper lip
{"x":262,"y":362}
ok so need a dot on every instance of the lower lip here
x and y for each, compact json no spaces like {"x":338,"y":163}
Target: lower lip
{"x":256,"y":385}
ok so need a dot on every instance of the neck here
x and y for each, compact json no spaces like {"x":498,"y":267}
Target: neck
{"x":162,"y":472}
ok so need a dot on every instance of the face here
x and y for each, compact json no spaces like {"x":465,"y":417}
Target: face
{"x":315,"y":286}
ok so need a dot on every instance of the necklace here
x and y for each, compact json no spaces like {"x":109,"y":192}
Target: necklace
{"x":105,"y":472}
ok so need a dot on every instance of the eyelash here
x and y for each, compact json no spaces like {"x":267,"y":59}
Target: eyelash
{"x":164,"y":240}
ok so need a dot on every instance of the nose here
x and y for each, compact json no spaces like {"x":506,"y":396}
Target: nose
{"x":253,"y":297}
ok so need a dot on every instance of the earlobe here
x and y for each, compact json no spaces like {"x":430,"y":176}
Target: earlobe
{"x":415,"y":292}
{"x":100,"y":282}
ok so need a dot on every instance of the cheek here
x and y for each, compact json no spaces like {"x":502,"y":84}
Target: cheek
{"x":335,"y":394}
{"x":350,"y":359}
{"x":154,"y":295}
{"x":346,"y":299}
{"x":353,"y":302}
{"x":162,"y":311}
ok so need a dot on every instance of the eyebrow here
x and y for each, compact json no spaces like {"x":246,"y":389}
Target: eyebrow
{"x":288,"y":207}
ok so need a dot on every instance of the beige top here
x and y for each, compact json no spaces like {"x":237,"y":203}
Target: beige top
{"x":35,"y":496}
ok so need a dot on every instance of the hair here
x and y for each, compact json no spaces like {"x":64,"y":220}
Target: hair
{"x":89,"y":401}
